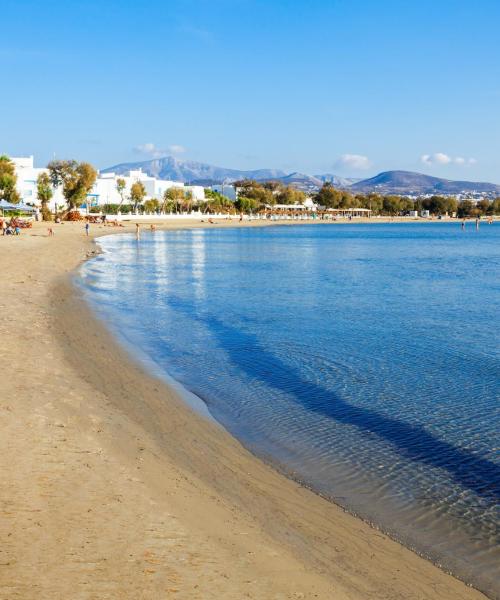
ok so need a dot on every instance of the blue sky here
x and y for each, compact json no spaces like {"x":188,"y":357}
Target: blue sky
{"x":351,"y":87}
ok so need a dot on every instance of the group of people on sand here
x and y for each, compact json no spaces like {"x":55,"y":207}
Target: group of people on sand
{"x":103,"y":220}
{"x":10,"y":228}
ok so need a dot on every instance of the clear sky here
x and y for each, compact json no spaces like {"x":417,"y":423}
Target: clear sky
{"x":351,"y":87}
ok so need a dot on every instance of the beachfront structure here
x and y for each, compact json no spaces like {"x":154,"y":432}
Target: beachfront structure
{"x":307,"y":206}
{"x":104,"y":190}
{"x":226,"y":189}
{"x":27,"y":175}
{"x":347,"y":212}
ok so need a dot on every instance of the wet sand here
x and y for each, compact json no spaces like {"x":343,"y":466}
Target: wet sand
{"x":113,"y":488}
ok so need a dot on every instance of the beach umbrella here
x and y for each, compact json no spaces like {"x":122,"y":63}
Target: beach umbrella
{"x":9,"y":206}
{"x":4,"y":205}
{"x":24,"y":208}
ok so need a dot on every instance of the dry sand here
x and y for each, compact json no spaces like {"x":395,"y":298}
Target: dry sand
{"x":111,"y":487}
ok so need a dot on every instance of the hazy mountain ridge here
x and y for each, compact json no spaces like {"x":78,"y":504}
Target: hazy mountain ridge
{"x":408,"y":182}
{"x":387,"y":182}
{"x":190,"y":171}
{"x":335,"y":180}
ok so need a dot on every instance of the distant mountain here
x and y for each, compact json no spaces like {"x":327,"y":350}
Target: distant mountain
{"x":190,"y":171}
{"x":301,"y":181}
{"x":409,"y":183}
{"x":388,"y":182}
{"x":336,"y":181}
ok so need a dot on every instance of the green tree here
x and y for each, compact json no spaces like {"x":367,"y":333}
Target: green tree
{"x":391,"y":205}
{"x":77,"y":179}
{"x":451,"y":205}
{"x":217,"y":203}
{"x":373,"y":202}
{"x":465,"y":209}
{"x":289,"y":195}
{"x":187,"y":205}
{"x":120,"y":188}
{"x":8,"y":180}
{"x":483,"y":206}
{"x":246,"y":205}
{"x":346,"y":200}
{"x":328,"y":196}
{"x":173,"y":198}
{"x":436,"y":205}
{"x":406,"y":205}
{"x":273,"y":186}
{"x":57,"y":171}
{"x":137,"y":194}
{"x":44,"y":193}
{"x":255,"y":191}
{"x":151,"y":205}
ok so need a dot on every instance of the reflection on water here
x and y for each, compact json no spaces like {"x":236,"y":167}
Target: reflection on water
{"x":361,"y":359}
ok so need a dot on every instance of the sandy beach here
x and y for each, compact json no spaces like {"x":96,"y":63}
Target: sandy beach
{"x":112,"y":487}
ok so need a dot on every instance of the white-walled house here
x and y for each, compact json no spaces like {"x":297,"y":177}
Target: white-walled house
{"x":226,"y":189}
{"x":27,"y":175}
{"x":104,"y":190}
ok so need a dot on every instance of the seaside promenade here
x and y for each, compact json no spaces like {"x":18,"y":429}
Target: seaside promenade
{"x":112,"y":488}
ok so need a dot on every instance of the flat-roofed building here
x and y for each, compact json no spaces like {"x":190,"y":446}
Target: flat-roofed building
{"x":105,"y":189}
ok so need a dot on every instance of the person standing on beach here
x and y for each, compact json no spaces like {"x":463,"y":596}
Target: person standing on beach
{"x":137,"y":232}
{"x":477,"y":223}
{"x":87,"y":227}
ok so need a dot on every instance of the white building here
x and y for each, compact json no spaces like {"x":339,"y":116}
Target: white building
{"x":226,"y":189}
{"x":104,"y":190}
{"x":27,"y":175}
{"x":308,"y":205}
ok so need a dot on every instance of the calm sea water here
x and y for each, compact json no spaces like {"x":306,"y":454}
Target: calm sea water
{"x":364,"y":360}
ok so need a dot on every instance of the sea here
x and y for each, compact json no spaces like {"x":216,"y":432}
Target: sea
{"x":363,"y":360}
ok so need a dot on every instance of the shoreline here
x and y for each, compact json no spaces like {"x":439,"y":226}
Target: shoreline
{"x":175,"y":485}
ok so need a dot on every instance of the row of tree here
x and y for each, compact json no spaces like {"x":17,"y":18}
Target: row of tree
{"x":331,"y":197}
{"x":175,"y":199}
{"x":253,"y":196}
{"x":76,"y":180}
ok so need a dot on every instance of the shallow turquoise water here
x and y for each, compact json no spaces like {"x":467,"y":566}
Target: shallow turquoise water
{"x":363,"y":360}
